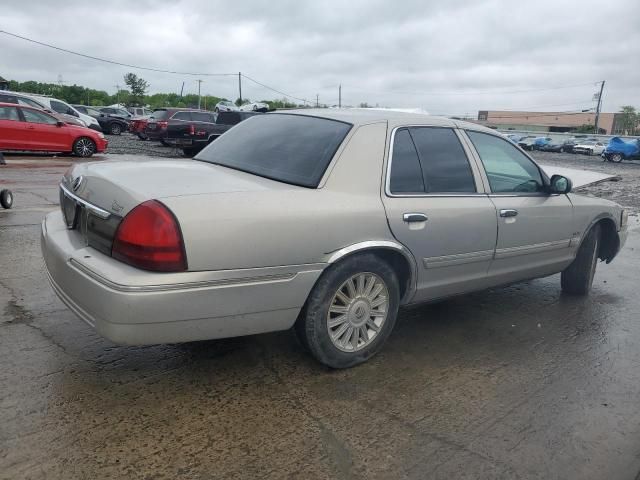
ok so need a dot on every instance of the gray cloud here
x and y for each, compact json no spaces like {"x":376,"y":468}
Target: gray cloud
{"x":447,"y":57}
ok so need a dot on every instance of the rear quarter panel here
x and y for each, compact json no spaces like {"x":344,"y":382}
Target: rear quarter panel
{"x":294,"y":225}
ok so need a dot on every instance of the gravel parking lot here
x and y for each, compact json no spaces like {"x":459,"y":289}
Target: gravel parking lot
{"x":515,"y":382}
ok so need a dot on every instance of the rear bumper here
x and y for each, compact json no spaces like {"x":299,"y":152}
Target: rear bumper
{"x":134,"y":307}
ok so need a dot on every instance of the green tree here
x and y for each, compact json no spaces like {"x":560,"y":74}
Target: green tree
{"x":138,"y":87}
{"x":629,"y":119}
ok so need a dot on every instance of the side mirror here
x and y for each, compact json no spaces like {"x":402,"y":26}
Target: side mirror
{"x":560,"y":184}
{"x":59,"y":124}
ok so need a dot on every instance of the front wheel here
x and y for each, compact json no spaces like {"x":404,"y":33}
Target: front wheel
{"x":616,"y":157}
{"x":6,"y":199}
{"x":577,"y":278}
{"x":84,"y":147}
{"x":350,"y":312}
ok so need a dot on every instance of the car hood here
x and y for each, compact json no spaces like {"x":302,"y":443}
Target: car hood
{"x":120,"y":185}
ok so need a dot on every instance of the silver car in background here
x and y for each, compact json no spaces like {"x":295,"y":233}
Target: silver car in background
{"x":323,"y":220}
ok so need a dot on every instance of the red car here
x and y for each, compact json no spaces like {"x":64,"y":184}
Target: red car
{"x":30,"y":129}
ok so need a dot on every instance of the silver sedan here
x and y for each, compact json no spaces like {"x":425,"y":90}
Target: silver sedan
{"x":327,"y":221}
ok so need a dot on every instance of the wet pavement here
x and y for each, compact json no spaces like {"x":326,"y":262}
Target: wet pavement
{"x":517,"y":382}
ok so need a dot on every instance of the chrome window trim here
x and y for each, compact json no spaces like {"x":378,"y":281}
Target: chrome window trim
{"x":472,"y":167}
{"x":95,"y":210}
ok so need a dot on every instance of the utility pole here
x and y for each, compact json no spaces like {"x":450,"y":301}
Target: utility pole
{"x":240,"y":86}
{"x":317,"y":97}
{"x":598,"y":107}
{"x":117,"y":94}
{"x":340,"y":96}
{"x":199,"y":83}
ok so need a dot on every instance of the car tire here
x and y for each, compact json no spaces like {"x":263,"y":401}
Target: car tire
{"x":84,"y":147}
{"x":115,"y":129}
{"x":6,"y":199}
{"x":577,"y":278}
{"x":362,"y":291}
{"x":142,"y":136}
{"x":561,"y":150}
{"x":616,"y":158}
{"x":217,"y":110}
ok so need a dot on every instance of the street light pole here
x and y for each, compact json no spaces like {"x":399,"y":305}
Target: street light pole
{"x":199,"y":83}
{"x":240,"y":86}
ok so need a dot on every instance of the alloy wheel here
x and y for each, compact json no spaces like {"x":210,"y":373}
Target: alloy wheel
{"x":357,"y":312}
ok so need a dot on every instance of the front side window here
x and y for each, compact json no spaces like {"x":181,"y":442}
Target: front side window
{"x":59,"y":107}
{"x":9,"y":113}
{"x":33,"y":116}
{"x":289,"y":148}
{"x":507,"y":168}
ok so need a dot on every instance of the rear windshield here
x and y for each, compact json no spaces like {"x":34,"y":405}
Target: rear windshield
{"x":160,"y":114}
{"x":289,"y":148}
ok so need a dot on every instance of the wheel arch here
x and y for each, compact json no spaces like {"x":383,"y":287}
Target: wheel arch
{"x":395,"y":254}
{"x":609,"y":239}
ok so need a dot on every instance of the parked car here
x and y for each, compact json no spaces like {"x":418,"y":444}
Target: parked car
{"x":193,"y":130}
{"x":156,"y":126}
{"x":139,"y":112}
{"x":589,"y":147}
{"x":513,"y":137}
{"x":559,"y":145}
{"x":112,"y":125}
{"x":60,"y":106}
{"x":540,"y":142}
{"x":254,"y":107}
{"x":25,"y":128}
{"x":138,"y":127}
{"x":116,"y":112}
{"x":225,"y":106}
{"x":527,"y":142}
{"x":298,"y":219}
{"x":617,"y":150}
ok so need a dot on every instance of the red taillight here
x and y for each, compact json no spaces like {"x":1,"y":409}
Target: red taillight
{"x":163,"y":125}
{"x":149,"y":237}
{"x":192,"y":130}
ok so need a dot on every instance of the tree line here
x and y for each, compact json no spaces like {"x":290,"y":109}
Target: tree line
{"x":135,"y":94}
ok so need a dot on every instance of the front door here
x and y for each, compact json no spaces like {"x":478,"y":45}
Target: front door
{"x":437,"y":207}
{"x":43,"y":132}
{"x":534,"y":227}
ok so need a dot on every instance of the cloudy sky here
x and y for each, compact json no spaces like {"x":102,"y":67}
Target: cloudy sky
{"x":452,"y":57}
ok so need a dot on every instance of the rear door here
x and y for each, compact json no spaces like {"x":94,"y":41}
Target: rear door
{"x":437,"y":207}
{"x":534,"y":227}
{"x":43,"y":132}
{"x":12,"y":129}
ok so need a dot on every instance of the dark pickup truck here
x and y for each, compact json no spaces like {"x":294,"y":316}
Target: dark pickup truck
{"x":194,"y":130}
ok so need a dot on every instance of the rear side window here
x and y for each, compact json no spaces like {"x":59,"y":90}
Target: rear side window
{"x":445,"y":166}
{"x":8,"y":99}
{"x":429,"y":160}
{"x":160,"y":114}
{"x":9,"y":113}
{"x":288,"y":148}
{"x":181,"y":116}
{"x":406,"y":173}
{"x":202,"y":117}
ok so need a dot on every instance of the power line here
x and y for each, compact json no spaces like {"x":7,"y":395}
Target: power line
{"x":113,"y":62}
{"x":492,"y":92}
{"x":275,"y":90}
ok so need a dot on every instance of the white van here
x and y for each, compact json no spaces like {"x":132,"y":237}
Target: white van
{"x":60,"y":106}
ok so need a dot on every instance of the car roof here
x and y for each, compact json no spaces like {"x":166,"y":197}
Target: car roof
{"x":17,"y":105}
{"x":364,"y":116}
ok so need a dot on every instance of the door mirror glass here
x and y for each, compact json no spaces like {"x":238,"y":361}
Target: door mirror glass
{"x":560,"y":184}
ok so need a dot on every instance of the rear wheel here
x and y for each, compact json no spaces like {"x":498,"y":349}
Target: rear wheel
{"x":115,"y":129}
{"x":142,"y":136}
{"x":577,"y":278}
{"x":350,"y":312}
{"x":6,"y":199}
{"x":616,"y":157}
{"x":84,"y":147}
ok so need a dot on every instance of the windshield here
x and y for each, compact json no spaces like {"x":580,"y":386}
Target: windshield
{"x":289,"y":148}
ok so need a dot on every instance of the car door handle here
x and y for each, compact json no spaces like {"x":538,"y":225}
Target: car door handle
{"x":414,"y":217}
{"x":508,"y":213}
